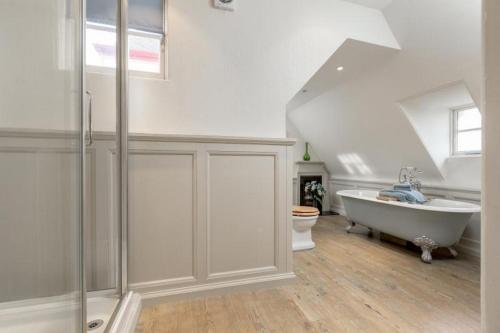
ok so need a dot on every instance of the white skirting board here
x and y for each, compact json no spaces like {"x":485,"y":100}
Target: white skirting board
{"x":128,"y":315}
{"x":155,"y":294}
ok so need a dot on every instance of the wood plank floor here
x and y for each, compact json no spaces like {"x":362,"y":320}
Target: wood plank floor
{"x":348,"y":283}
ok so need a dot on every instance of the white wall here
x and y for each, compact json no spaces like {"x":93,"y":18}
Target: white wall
{"x":361,"y":118}
{"x":232,"y":73}
{"x":38,"y":77}
{"x":490,"y":273}
{"x":39,"y":211}
{"x":300,"y":145}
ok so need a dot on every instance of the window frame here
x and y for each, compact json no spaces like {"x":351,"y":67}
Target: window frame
{"x":162,"y":75}
{"x":455,"y":131}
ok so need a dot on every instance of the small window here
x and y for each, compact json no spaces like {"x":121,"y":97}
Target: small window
{"x":146,"y":41}
{"x":466,"y":131}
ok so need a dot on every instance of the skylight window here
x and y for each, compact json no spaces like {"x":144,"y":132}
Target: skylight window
{"x":467,"y":131}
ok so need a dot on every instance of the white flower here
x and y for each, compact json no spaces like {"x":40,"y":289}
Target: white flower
{"x":315,"y":190}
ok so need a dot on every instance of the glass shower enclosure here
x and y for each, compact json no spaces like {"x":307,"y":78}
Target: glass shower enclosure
{"x":62,"y":234}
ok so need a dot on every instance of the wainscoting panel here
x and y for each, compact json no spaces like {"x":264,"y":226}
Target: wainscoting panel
{"x":38,"y":219}
{"x":102,"y":225}
{"x":206,"y":214}
{"x":209,"y":214}
{"x":17,"y":177}
{"x":242,"y":217}
{"x":161,"y":215}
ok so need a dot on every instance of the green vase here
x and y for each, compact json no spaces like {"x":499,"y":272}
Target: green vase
{"x":307,"y":157}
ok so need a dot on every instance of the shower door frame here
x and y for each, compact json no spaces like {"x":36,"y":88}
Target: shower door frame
{"x":83,"y":151}
{"x":121,"y":155}
{"x":122,"y":133}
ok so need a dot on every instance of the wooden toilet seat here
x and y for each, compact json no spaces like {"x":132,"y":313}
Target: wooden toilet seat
{"x":305,"y":211}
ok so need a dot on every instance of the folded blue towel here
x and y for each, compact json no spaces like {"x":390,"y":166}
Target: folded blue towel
{"x":410,"y":196}
{"x":393,"y":194}
{"x":402,"y":187}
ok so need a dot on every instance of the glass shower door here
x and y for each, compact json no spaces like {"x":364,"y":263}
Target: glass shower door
{"x":106,"y":193}
{"x":41,"y":166}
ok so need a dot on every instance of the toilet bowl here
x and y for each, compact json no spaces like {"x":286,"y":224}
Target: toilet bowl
{"x":304,"y":218}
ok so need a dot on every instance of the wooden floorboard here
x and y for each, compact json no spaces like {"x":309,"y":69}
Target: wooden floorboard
{"x":348,"y":283}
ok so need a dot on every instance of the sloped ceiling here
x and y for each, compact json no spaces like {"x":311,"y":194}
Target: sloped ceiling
{"x":357,"y":126}
{"x":351,"y":57}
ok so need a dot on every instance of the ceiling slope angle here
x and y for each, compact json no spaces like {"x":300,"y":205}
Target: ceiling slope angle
{"x":352,"y":59}
{"x":367,"y":126}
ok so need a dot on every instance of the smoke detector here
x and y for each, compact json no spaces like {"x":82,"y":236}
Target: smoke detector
{"x":224,"y":4}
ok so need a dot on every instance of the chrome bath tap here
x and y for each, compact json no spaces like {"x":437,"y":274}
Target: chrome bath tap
{"x":409,"y":175}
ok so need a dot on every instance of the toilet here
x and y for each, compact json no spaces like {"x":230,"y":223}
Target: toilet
{"x":304,"y":218}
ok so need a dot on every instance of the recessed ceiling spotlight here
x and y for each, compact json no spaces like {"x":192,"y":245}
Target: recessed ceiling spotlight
{"x":340,"y":68}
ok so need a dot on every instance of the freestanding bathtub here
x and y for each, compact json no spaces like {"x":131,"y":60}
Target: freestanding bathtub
{"x":437,"y":223}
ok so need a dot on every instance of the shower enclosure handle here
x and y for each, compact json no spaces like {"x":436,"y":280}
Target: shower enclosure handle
{"x":90,"y":137}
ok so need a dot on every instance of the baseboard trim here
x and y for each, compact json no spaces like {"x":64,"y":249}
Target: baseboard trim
{"x":161,"y":283}
{"x":470,"y":247}
{"x":216,"y":288}
{"x":338,"y":209}
{"x":128,"y":315}
{"x":243,"y":272}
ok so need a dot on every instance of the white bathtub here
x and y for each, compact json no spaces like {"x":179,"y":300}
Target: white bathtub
{"x":437,"y":223}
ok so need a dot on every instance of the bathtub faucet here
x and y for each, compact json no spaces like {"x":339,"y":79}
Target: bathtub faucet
{"x":409,"y":175}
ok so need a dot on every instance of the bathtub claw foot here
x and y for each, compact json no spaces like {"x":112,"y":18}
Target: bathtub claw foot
{"x":427,"y":245}
{"x":453,"y":252}
{"x":350,"y":226}
{"x":426,"y":255}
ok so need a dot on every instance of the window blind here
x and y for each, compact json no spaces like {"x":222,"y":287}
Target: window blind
{"x":144,"y":15}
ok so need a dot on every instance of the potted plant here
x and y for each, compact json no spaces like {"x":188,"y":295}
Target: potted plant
{"x":316,"y":192}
